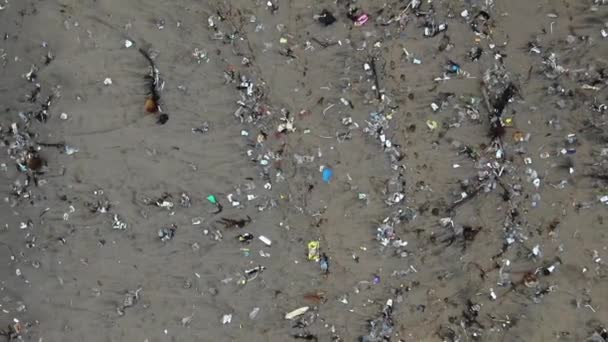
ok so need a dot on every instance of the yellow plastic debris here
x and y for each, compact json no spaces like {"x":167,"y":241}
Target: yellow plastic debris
{"x":313,"y":250}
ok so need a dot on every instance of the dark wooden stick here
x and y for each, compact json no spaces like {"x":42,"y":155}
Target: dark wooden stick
{"x":376,"y":80}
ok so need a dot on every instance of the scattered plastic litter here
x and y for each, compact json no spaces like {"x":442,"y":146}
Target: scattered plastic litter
{"x":461,"y":173}
{"x":327,"y":174}
{"x":297,"y":312}
{"x":361,"y":19}
{"x":167,"y":233}
{"x":226,"y":319}
{"x":326,"y":18}
{"x":313,"y":250}
{"x":265,"y":240}
{"x":324,"y":263}
{"x":254,"y":313}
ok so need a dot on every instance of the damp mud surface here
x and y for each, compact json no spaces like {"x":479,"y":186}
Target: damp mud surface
{"x":165,"y":166}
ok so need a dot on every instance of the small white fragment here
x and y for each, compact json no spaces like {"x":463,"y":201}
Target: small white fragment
{"x":186,"y":320}
{"x":536,"y":251}
{"x":227,"y":319}
{"x":446,"y":221}
{"x":107,"y":81}
{"x":265,"y":240}
{"x":63,"y":116}
{"x":254,"y":313}
{"x":492,"y":294}
{"x":400,"y":243}
{"x":397,"y":197}
{"x":499,"y":153}
{"x":70,"y":150}
{"x":128,"y":43}
{"x":464,"y":13}
{"x":297,"y":312}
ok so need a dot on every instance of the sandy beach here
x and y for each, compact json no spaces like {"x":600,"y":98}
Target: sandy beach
{"x":309,"y":170}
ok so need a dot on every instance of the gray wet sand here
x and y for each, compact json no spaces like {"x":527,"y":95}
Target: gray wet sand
{"x":71,"y":270}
